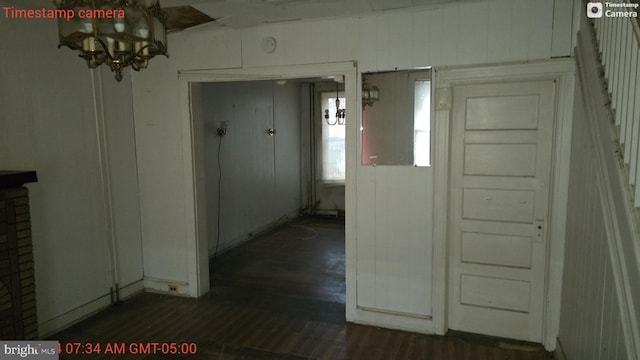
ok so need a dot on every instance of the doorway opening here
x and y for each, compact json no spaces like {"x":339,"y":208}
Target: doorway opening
{"x":257,"y":215}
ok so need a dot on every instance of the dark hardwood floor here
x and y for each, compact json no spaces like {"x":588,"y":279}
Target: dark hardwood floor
{"x":278,"y":297}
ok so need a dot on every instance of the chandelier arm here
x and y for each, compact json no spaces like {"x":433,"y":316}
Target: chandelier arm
{"x":105,"y":48}
{"x":134,"y":65}
{"x":140,"y":54}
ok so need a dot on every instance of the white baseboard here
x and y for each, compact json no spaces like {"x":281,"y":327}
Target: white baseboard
{"x":390,"y":320}
{"x":82,"y":312}
{"x":131,"y":290}
{"x":256,"y":232}
{"x":74,"y":316}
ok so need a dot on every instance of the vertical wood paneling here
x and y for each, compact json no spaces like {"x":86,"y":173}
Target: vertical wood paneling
{"x":381,"y":52}
{"x":420,"y":35}
{"x":366,"y":241}
{"x":520,"y":30}
{"x":382,"y":243}
{"x":562,"y":28}
{"x":260,"y":173}
{"x":497,"y":38}
{"x":399,"y":33}
{"x":287,"y":143}
{"x":123,"y":177}
{"x":540,"y":15}
{"x":399,"y":255}
{"x":366,"y":42}
{"x":434,"y":39}
{"x":450,"y":44}
{"x":473,"y":33}
{"x":48,"y":123}
{"x":378,"y":41}
{"x":590,"y":326}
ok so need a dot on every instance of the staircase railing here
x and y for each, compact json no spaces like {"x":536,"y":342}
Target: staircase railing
{"x":618,"y":40}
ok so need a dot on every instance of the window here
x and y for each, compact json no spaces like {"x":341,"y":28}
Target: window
{"x":422,"y":123}
{"x":333,"y":138}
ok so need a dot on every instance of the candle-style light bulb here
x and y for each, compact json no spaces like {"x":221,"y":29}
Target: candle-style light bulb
{"x":142,"y":31}
{"x":87,"y":26}
{"x":88,"y":44}
{"x":119,"y":24}
{"x":111,"y":46}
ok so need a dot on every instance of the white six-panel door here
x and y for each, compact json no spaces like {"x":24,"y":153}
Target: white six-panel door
{"x":501,"y":144}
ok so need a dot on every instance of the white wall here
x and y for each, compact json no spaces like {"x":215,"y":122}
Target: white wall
{"x":49,"y":123}
{"x":260,"y":173}
{"x":464,"y":33}
{"x":288,"y":148}
{"x":601,"y":286}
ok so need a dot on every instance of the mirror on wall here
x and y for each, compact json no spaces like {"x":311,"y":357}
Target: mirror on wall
{"x":396,"y":129}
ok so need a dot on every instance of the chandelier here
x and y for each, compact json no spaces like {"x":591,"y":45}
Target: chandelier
{"x":370,"y":94}
{"x":118,"y":33}
{"x":341,"y":113}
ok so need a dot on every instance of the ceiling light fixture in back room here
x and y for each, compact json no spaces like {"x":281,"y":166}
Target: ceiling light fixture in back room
{"x":118,"y":33}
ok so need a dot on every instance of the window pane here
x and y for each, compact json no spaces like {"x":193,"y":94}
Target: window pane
{"x":422,"y":123}
{"x":333,"y":139}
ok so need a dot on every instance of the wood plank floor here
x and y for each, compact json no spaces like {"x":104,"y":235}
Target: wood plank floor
{"x":278,"y":297}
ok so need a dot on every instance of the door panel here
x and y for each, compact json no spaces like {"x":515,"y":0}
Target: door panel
{"x":502,"y":112}
{"x":500,"y":159}
{"x":500,"y":156}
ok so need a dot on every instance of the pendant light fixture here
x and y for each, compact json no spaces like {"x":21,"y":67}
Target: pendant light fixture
{"x":340,"y":114}
{"x":370,"y":94}
{"x":118,"y":33}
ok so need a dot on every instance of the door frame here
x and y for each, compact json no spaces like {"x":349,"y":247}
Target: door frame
{"x":195,"y":209}
{"x":562,"y":71}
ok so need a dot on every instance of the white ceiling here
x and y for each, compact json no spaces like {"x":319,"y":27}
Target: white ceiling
{"x":247,"y":13}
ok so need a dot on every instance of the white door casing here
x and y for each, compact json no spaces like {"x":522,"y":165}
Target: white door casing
{"x":446,"y":247}
{"x":500,"y":168}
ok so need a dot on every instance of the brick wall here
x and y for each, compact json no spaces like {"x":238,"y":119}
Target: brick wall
{"x":18,"y":317}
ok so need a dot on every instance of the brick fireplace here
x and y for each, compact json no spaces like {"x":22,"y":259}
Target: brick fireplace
{"x":18,"y":317}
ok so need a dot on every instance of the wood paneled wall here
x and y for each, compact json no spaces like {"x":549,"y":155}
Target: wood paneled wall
{"x":74,"y":126}
{"x":260,"y":182}
{"x":599,"y":318}
{"x":590,"y":316}
{"x":392,"y":218}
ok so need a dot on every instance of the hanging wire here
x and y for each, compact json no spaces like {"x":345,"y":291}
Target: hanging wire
{"x":219,"y":206}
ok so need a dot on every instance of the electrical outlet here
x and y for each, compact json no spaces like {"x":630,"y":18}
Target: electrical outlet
{"x":173,"y":288}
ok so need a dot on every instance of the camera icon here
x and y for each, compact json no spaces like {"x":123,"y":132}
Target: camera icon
{"x":594,"y":10}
